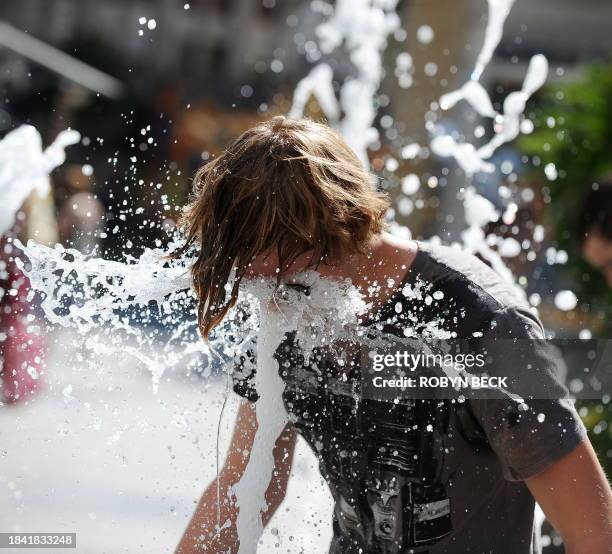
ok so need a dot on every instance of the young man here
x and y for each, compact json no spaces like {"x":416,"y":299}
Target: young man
{"x":406,"y":476}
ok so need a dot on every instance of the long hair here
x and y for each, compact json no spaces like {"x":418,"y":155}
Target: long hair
{"x":285,"y":186}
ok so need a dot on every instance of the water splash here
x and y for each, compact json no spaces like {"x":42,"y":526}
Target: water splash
{"x":318,"y":83}
{"x":363,"y":26}
{"x":119,"y":307}
{"x":475,"y":94}
{"x":130,"y":306}
{"x":507,"y":126}
{"x":327,"y":313}
{"x":25,"y":167}
{"x":272,"y":417}
{"x":465,"y":154}
{"x":478,"y":213}
{"x":498,"y":13}
{"x":137,"y":282}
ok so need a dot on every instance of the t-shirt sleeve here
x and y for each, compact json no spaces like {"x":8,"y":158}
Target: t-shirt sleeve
{"x":529,"y":435}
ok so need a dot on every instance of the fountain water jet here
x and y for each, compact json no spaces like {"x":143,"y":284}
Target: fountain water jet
{"x":507,"y":125}
{"x":25,"y":167}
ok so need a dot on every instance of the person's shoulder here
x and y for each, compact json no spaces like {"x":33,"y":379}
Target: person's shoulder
{"x":397,"y":252}
{"x":468,"y":280}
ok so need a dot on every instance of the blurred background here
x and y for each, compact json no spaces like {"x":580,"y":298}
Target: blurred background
{"x":156,"y":88}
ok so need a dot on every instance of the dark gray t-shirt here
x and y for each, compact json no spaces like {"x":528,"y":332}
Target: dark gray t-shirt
{"x":434,"y":476}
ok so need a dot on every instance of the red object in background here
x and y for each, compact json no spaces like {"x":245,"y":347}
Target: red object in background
{"x":21,"y":350}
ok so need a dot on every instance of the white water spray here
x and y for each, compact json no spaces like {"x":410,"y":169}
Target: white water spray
{"x":25,"y":167}
{"x":507,"y":125}
{"x":498,"y":13}
{"x":119,"y":307}
{"x":363,"y":26}
{"x":329,"y":312}
{"x":478,"y":213}
{"x":272,"y":417}
{"x":318,"y":83}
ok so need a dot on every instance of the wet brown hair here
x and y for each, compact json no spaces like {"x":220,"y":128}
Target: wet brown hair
{"x":284,"y":186}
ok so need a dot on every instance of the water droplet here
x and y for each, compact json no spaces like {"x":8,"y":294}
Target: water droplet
{"x":425,"y":34}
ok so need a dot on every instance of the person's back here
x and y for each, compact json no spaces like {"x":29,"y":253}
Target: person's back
{"x":407,"y":475}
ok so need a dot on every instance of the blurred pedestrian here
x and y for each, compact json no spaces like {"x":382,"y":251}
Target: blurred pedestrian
{"x":21,"y":345}
{"x":595,"y":228}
